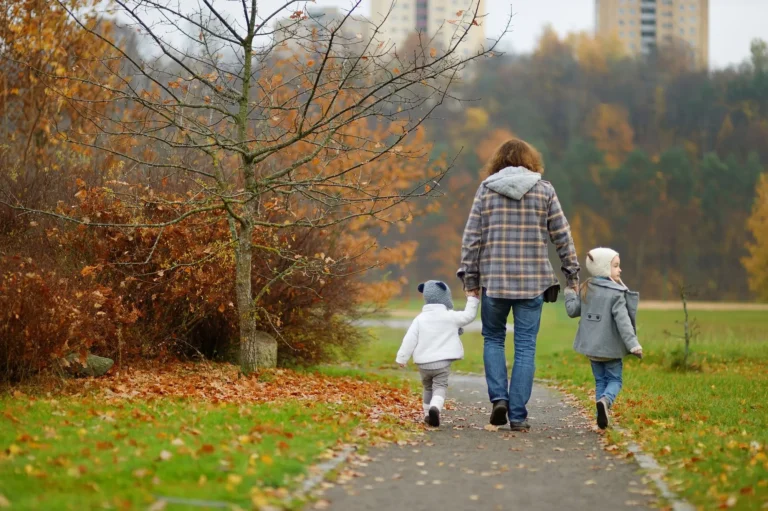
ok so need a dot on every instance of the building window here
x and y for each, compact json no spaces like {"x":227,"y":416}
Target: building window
{"x":692,"y":30}
{"x":668,"y":14}
{"x":682,"y":31}
{"x":621,"y":34}
{"x":648,"y":10}
{"x":621,"y":22}
{"x":621,"y":11}
{"x":632,"y":11}
{"x":682,"y":7}
{"x":693,"y":7}
{"x":667,"y":25}
{"x":667,"y":2}
{"x":693,"y":19}
{"x":633,"y":46}
{"x":632,"y":22}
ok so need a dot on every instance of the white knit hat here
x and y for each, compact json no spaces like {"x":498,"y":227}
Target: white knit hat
{"x":599,"y":261}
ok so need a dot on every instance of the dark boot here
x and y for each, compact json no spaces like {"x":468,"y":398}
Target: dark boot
{"x":499,"y":413}
{"x":602,"y":413}
{"x":433,"y":419}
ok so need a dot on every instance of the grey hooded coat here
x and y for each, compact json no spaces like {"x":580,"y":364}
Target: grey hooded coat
{"x":607,"y":328}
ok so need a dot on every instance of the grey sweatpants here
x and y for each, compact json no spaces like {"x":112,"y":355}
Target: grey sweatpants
{"x":435,"y":382}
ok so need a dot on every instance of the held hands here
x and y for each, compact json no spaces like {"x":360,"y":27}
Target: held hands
{"x":401,"y":365}
{"x":638,"y":352}
{"x":475,"y":293}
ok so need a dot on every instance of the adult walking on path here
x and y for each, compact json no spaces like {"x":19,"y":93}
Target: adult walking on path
{"x":504,"y":259}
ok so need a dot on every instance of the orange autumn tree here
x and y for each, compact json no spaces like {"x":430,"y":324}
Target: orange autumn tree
{"x":757,"y":261}
{"x":39,"y":45}
{"x":291,"y":126}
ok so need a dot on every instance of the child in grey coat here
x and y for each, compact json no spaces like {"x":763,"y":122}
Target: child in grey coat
{"x":607,"y":330}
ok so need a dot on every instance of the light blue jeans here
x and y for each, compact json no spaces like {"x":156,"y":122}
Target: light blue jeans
{"x":607,"y":379}
{"x":527,"y":318}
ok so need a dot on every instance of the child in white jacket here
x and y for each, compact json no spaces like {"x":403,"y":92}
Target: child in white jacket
{"x":433,"y":340}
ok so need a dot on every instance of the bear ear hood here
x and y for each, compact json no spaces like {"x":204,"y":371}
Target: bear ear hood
{"x":436,"y":292}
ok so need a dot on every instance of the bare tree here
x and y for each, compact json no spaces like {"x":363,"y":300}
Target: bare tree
{"x":262,"y":120}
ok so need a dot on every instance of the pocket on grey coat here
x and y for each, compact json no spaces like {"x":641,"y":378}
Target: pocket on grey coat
{"x":594,"y":317}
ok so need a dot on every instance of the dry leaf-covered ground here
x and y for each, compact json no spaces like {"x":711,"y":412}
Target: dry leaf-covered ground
{"x":193,"y":431}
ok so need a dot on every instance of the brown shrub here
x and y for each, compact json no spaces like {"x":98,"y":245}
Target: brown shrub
{"x":172,"y":290}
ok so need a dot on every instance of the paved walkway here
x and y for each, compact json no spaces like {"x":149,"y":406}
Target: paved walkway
{"x":559,"y":464}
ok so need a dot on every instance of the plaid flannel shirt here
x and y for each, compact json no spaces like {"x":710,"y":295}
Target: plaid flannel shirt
{"x":504,"y":247}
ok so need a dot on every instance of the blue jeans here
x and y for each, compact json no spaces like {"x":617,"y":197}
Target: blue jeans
{"x":527,"y":318}
{"x":607,"y":379}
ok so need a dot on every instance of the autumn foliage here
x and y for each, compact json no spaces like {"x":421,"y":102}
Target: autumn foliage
{"x":757,"y":260}
{"x":134,"y":258}
{"x":648,"y":155}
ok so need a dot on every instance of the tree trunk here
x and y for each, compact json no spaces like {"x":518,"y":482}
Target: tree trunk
{"x":257,"y":349}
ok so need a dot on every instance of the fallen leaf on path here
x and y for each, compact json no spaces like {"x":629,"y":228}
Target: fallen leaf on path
{"x":322,"y":504}
{"x":590,"y":482}
{"x":159,"y":505}
{"x":4,"y":502}
{"x":499,"y":486}
{"x":165,"y":455}
{"x":558,"y":449}
{"x":490,"y":427}
{"x":474,"y":497}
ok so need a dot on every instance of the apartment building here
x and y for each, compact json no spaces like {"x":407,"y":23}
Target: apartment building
{"x":650,"y":25}
{"x":443,"y":19}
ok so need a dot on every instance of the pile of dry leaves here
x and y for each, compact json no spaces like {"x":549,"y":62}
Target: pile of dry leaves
{"x":222,"y":383}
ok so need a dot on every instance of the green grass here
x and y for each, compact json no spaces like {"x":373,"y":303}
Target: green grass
{"x":709,"y":426}
{"x":82,"y":454}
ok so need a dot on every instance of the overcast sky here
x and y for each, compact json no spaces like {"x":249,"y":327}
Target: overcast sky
{"x":732,"y":23}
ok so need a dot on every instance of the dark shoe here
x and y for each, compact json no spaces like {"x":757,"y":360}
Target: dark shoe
{"x":433,"y":419}
{"x":519,"y":426}
{"x":602,"y":414}
{"x":499,"y":413}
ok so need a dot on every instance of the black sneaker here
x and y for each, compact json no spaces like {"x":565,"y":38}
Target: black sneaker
{"x":602,"y":414}
{"x":433,"y":419}
{"x":519,"y":426}
{"x":499,"y":413}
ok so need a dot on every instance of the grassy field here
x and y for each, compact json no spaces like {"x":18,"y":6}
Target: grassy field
{"x":99,"y":450}
{"x":708,"y":425}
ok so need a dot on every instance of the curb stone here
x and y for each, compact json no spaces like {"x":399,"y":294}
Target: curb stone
{"x":319,"y":472}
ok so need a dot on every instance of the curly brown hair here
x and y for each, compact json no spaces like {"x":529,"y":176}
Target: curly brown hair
{"x":515,"y":153}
